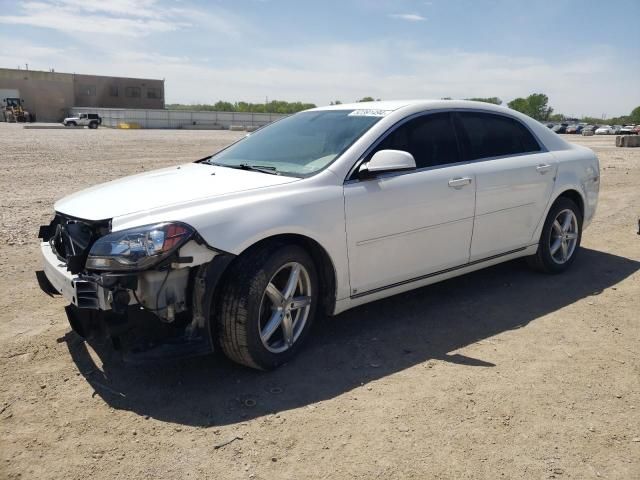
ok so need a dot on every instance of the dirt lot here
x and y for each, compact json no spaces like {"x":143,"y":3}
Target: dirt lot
{"x":502,"y":373}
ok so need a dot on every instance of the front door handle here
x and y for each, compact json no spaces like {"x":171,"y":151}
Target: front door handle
{"x":459,"y":182}
{"x":543,"y":168}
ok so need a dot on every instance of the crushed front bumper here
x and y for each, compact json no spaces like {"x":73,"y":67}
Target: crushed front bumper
{"x":139,"y":333}
{"x":81,"y":292}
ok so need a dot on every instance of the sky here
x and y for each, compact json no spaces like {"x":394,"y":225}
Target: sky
{"x":584,"y":54}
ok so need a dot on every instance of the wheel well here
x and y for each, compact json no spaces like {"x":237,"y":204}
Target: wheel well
{"x":324,"y":265}
{"x":575,"y":197}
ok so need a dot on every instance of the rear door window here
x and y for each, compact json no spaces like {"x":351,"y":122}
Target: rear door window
{"x":485,"y":135}
{"x":430,"y":138}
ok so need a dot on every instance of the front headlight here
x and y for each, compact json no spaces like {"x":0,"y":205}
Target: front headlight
{"x":137,"y":248}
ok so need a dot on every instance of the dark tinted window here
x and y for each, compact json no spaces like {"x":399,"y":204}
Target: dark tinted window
{"x":486,"y":135}
{"x":430,"y":139}
{"x":133,"y":92}
{"x":88,"y":90}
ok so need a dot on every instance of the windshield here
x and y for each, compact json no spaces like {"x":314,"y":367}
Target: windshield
{"x":301,"y":144}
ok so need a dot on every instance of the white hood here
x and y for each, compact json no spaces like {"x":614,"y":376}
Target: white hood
{"x":162,"y":188}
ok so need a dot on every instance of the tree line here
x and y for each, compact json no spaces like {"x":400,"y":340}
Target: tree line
{"x":274,"y":106}
{"x":535,"y":105}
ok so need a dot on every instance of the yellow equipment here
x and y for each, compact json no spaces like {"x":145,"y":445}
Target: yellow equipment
{"x":15,"y":112}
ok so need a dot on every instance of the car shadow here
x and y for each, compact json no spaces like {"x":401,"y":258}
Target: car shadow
{"x":356,"y":347}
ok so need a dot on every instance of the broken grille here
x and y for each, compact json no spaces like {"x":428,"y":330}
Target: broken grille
{"x":72,"y":238}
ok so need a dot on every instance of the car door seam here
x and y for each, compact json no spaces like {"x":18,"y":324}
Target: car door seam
{"x":475,"y":208}
{"x":555,"y":165}
{"x":346,"y":240}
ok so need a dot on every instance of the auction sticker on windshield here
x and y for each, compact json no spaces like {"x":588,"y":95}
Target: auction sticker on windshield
{"x":369,"y":113}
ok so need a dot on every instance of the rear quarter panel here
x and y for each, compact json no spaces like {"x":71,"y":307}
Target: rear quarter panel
{"x":579,"y":170}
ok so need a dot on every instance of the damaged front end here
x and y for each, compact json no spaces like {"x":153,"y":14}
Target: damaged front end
{"x":148,"y":289}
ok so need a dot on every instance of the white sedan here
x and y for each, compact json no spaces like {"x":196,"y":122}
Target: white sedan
{"x":605,"y":130}
{"x":628,"y":130}
{"x":315,"y":214}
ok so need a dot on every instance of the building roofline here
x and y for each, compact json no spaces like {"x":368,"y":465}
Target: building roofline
{"x":22,"y":70}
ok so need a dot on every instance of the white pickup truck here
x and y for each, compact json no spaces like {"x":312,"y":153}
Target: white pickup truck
{"x":91,"y":120}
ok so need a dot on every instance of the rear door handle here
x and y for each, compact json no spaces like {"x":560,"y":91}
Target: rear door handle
{"x":459,"y":182}
{"x":543,"y":168}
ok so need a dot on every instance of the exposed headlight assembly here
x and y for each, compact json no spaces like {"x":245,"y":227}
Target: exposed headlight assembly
{"x":137,"y":248}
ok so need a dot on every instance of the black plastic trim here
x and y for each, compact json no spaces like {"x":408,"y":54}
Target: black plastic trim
{"x":439,"y":272}
{"x":45,"y":285}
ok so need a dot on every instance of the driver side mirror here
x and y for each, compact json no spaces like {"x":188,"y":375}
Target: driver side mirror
{"x":387,"y":161}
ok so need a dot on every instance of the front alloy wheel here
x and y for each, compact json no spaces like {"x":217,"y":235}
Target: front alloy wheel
{"x":286,"y":304}
{"x":267,"y":305}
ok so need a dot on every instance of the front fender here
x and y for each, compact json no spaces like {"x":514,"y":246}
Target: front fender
{"x":235,"y":223}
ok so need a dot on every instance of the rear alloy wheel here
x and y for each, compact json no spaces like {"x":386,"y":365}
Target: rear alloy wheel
{"x":560,"y":238}
{"x":267,"y":306}
{"x":564,"y":237}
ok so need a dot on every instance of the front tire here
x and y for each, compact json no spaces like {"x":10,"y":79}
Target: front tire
{"x":560,"y":238}
{"x":267,"y":306}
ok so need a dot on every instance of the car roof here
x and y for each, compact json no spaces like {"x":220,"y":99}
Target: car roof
{"x":425,"y":104}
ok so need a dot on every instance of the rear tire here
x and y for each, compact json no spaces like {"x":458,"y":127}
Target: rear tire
{"x":267,"y":306}
{"x":93,"y":125}
{"x":560,"y":238}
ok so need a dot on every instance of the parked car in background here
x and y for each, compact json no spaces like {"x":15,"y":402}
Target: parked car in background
{"x":559,"y":129}
{"x":605,"y":130}
{"x":575,"y":129}
{"x":315,"y":214}
{"x":616,"y":129}
{"x":591,"y":128}
{"x":629,"y":130}
{"x":91,"y":120}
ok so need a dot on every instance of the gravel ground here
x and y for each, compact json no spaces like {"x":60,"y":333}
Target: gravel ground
{"x":501,"y":373}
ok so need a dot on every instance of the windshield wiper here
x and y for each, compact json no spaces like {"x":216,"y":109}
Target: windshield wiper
{"x":245,"y":166}
{"x":256,"y":168}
